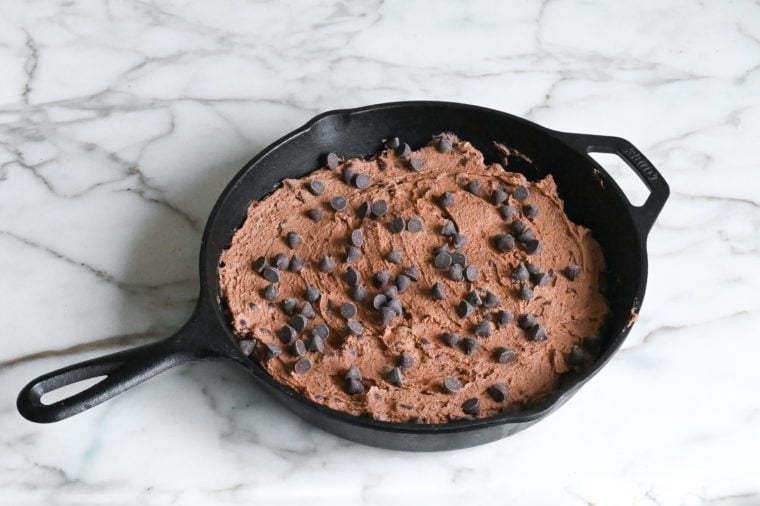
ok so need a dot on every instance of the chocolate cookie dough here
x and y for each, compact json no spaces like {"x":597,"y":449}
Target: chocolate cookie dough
{"x":415,"y":286}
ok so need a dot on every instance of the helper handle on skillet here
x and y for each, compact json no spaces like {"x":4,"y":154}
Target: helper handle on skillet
{"x":644,"y":215}
{"x":122,"y":371}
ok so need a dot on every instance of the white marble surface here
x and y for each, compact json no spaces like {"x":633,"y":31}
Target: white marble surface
{"x":120,"y":122}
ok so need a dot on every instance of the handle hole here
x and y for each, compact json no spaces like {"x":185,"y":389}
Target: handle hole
{"x":69,"y":390}
{"x":631,"y":184}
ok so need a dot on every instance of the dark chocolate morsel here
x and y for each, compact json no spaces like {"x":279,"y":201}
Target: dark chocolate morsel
{"x":327,"y":264}
{"x":316,"y":343}
{"x":315,"y":213}
{"x":498,"y":392}
{"x":338,"y":203}
{"x":302,"y":365}
{"x":312,"y":293}
{"x":572,"y":272}
{"x":391,"y":292}
{"x":504,"y":355}
{"x":270,"y":292}
{"x":442,"y":260}
{"x":321,"y":330}
{"x":298,"y":322}
{"x":526,"y":235}
{"x":397,"y":225}
{"x":471,"y":406}
{"x":504,"y":242}
{"x":458,"y":240}
{"x":491,"y":300}
{"x":332,"y":161}
{"x":352,"y":276}
{"x":451,"y":338}
{"x":536,"y":333}
{"x":289,"y":306}
{"x":287,"y":334}
{"x":444,"y":145}
{"x":451,"y":385}
{"x":307,"y":310}
{"x":458,"y":258}
{"x":353,"y":373}
{"x":394,"y":256}
{"x":532,"y":268}
{"x":447,"y":199}
{"x":354,"y":387}
{"x":456,"y":272}
{"x":281,"y":261}
{"x":348,"y":174}
{"x":379,"y":301}
{"x":392,"y":143}
{"x":524,"y":292}
{"x":518,"y":227}
{"x":520,"y":273}
{"x":498,"y":196}
{"x":473,"y":298}
{"x":520,"y":193}
{"x":395,"y":305}
{"x":358,"y":293}
{"x":414,"y":225}
{"x":395,"y":377}
{"x":416,"y":164}
{"x":271,"y":274}
{"x":403,"y":283}
{"x":470,"y":345}
{"x":526,"y":321}
{"x":413,"y":272}
{"x":379,"y":208}
{"x":353,"y":254}
{"x":381,"y":278}
{"x":297,"y":348}
{"x":347,"y":310}
{"x":483,"y":329}
{"x":471,"y":273}
{"x":356,"y":238}
{"x":406,"y":360}
{"x":247,"y":346}
{"x":403,"y":150}
{"x":297,"y":264}
{"x":260,"y":264}
{"x":362,"y":181}
{"x":503,"y":317}
{"x":464,"y":309}
{"x":293,"y":239}
{"x":531,"y":247}
{"x":473,"y":187}
{"x":271,"y":351}
{"x":316,"y":187}
{"x":448,"y":229}
{"x":438,"y":292}
{"x":387,"y":315}
{"x":540,"y":278}
{"x":576,"y":356}
{"x":355,"y":327}
{"x":508,"y":212}
{"x":530,"y":211}
{"x":364,"y":210}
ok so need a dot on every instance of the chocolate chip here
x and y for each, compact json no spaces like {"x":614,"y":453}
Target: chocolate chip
{"x":321,"y":330}
{"x":447,"y":199}
{"x":491,"y":300}
{"x":327,"y":264}
{"x":394,"y":256}
{"x":353,"y":254}
{"x":379,"y":301}
{"x":316,"y":187}
{"x":576,"y":356}
{"x":392,"y":143}
{"x":520,"y":273}
{"x":406,"y":360}
{"x":298,"y":322}
{"x":403,"y":150}
{"x":532,"y":268}
{"x":387,"y":315}
{"x":508,"y":212}
{"x":302,"y":365}
{"x":315,"y":214}
{"x":503,"y":317}
{"x":297,"y":348}
{"x":287,"y":334}
{"x":464,"y":309}
{"x":438,"y":292}
{"x":316,"y":343}
{"x":391,"y":292}
{"x":271,"y":351}
{"x":442,"y":260}
{"x":448,"y":229}
{"x":260,"y":264}
{"x":531,"y":247}
{"x":270,"y":274}
{"x":526,"y":321}
{"x":312,"y":293}
{"x":397,"y":225}
{"x":517,"y":227}
{"x":379,"y":208}
{"x":347,"y":310}
{"x":355,"y":327}
{"x":358,"y":293}
{"x":353,"y":373}
{"x":354,"y":387}
{"x":395,"y":377}
{"x":458,"y":259}
{"x":307,"y":310}
{"x":498,"y":392}
{"x":451,"y":338}
{"x":332,"y":161}
{"x":281,"y":261}
{"x":504,"y":242}
{"x":524,"y":292}
{"x":414,"y":225}
{"x":483,"y":329}
{"x":458,"y":240}
{"x":473,"y":298}
{"x":456,"y":272}
{"x":444,"y":145}
{"x":247,"y":346}
{"x":504,"y":355}
{"x":473,"y":187}
{"x":270,"y":292}
{"x":471,"y":406}
{"x":381,"y":278}
{"x":364,"y":210}
{"x":498,"y":196}
{"x":540,"y":278}
{"x":471,"y":273}
{"x":413,"y":272}
{"x":403,"y":283}
{"x":592,"y":343}
{"x":572,"y":272}
{"x":297,"y":264}
{"x":451,"y":385}
{"x":348,"y":174}
{"x":530,"y":211}
{"x":395,"y":305}
{"x":362,"y":181}
{"x":338,"y":203}
{"x":443,"y":248}
{"x":289,"y":306}
{"x":520,"y":193}
{"x":356,"y":238}
{"x":526,"y":235}
{"x":352,"y":276}
{"x":416,"y":164}
{"x":536,"y":333}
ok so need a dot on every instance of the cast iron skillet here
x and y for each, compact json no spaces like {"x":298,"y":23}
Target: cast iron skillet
{"x":592,"y":198}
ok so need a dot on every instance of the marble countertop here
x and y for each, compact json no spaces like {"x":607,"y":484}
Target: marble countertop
{"x":120,"y":123}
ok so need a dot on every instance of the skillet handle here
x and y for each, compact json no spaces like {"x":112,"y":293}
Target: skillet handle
{"x":646,"y":214}
{"x":122,"y":371}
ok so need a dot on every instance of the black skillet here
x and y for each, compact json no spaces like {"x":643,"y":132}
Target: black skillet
{"x":591,"y":197}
